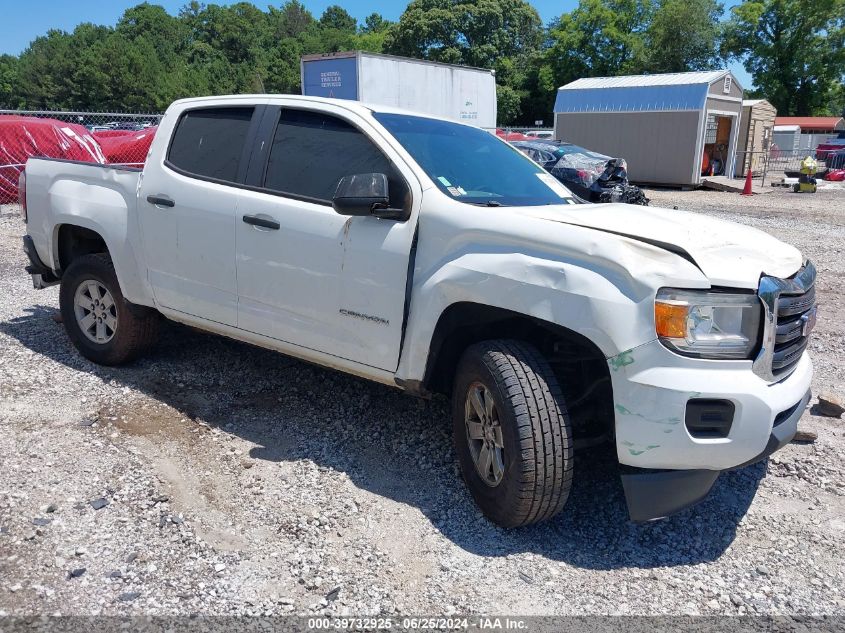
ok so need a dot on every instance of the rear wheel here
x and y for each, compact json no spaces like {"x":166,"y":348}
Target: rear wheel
{"x":512,"y":433}
{"x":103,"y":326}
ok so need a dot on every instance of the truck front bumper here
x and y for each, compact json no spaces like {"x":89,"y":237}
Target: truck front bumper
{"x":667,"y":466}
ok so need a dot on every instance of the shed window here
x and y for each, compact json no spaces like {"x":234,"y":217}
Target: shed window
{"x":711,"y":130}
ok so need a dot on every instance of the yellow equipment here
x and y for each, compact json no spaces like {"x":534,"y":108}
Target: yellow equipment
{"x":807,"y":178}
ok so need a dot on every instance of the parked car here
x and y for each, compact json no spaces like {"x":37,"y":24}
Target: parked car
{"x":22,"y":137}
{"x":511,"y":136}
{"x":589,"y":175}
{"x":835,"y":166}
{"x":125,"y":147}
{"x":430,"y":256}
{"x":836,"y":159}
{"x":823,"y":150}
{"x":540,"y":134}
{"x":125,"y":125}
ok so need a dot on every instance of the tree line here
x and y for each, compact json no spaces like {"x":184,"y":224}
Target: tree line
{"x":793,"y":49}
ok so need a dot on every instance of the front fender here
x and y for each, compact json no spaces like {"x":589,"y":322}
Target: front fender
{"x":599,"y":285}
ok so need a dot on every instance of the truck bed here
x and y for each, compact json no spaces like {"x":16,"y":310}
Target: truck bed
{"x":102,"y":198}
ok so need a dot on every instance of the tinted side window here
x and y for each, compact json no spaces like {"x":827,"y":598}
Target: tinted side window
{"x":210,"y":142}
{"x":312,"y":151}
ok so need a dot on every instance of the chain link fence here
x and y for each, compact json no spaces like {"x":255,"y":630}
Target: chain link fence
{"x":116,"y":138}
{"x":775,"y":164}
{"x":123,"y":138}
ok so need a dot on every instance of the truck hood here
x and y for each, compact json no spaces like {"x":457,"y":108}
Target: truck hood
{"x":729,"y":254}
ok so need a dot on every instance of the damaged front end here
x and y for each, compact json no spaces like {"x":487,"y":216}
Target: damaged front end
{"x":589,"y":175}
{"x":613,"y":186}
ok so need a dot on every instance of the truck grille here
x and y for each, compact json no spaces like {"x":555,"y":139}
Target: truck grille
{"x":789,"y":310}
{"x":790,"y":340}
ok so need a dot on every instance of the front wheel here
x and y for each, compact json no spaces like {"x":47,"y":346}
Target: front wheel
{"x":512,"y":433}
{"x":103,"y":326}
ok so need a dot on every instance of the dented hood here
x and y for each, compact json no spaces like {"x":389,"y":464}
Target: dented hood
{"x":730,"y":254}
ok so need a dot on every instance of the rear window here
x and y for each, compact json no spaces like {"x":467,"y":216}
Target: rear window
{"x":209,"y":142}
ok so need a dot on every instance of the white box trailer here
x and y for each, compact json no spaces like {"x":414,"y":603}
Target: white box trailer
{"x":454,"y":92}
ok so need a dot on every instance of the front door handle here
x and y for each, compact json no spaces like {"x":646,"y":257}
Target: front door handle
{"x":161,"y":201}
{"x":264,"y":223}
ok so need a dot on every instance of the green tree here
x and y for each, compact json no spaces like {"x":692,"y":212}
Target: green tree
{"x":836,"y":100}
{"x":238,"y":31}
{"x":599,"y":38}
{"x":45,"y":70}
{"x":283,"y":67}
{"x":337,"y":30}
{"x":375,"y":23}
{"x":472,"y":32}
{"x":793,"y":49}
{"x":373,"y":34}
{"x":8,"y":81}
{"x":337,"y":18}
{"x":167,"y":33}
{"x":508,"y":104}
{"x":292,"y":20}
{"x":209,"y":71}
{"x":683,"y":35}
{"x":293,"y":31}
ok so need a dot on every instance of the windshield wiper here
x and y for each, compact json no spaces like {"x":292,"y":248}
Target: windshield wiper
{"x":489,"y":203}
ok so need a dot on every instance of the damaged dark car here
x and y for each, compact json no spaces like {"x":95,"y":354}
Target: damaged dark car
{"x":589,"y":175}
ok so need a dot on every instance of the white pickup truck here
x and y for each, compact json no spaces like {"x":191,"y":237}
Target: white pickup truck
{"x":433,"y":257}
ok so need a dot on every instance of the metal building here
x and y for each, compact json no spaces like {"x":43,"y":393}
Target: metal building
{"x":804,"y":133}
{"x":671,"y":128}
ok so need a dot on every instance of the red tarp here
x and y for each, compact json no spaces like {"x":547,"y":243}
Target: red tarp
{"x":101,"y":134}
{"x":126,"y":147}
{"x":25,"y":137}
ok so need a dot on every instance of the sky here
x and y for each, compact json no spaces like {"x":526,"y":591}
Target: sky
{"x":22,"y":22}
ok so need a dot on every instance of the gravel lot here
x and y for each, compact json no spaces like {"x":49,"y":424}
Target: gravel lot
{"x":235,"y":480}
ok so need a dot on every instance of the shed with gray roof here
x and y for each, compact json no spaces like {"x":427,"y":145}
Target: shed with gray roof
{"x":670,"y":128}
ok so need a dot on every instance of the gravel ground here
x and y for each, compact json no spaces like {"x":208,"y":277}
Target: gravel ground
{"x":214,"y":478}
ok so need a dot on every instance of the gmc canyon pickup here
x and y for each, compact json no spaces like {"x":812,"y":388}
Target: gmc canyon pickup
{"x":431,"y":256}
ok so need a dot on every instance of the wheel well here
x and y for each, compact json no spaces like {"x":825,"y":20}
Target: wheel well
{"x":580,"y":367}
{"x":75,"y":241}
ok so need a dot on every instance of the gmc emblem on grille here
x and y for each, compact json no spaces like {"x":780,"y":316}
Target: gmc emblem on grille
{"x":808,"y":321}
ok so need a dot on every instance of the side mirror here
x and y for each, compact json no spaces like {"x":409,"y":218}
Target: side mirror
{"x":364,"y":195}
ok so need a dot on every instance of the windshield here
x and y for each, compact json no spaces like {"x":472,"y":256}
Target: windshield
{"x":473,"y":166}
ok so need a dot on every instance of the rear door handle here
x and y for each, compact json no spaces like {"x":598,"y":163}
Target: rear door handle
{"x":161,"y":201}
{"x":262,"y":222}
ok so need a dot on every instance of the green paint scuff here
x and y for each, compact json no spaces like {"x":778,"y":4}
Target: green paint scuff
{"x":634,"y":450}
{"x":622,"y":410}
{"x":623,"y":359}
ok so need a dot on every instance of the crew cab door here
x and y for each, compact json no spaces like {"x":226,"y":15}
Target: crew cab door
{"x":307,"y":275}
{"x":187,"y":203}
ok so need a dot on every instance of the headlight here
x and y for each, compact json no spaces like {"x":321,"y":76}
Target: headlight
{"x":707,"y":324}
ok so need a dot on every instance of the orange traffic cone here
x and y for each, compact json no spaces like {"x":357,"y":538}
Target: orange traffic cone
{"x":746,"y":191}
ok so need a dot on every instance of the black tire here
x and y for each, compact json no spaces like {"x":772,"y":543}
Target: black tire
{"x":536,"y":433}
{"x":136,"y":327}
